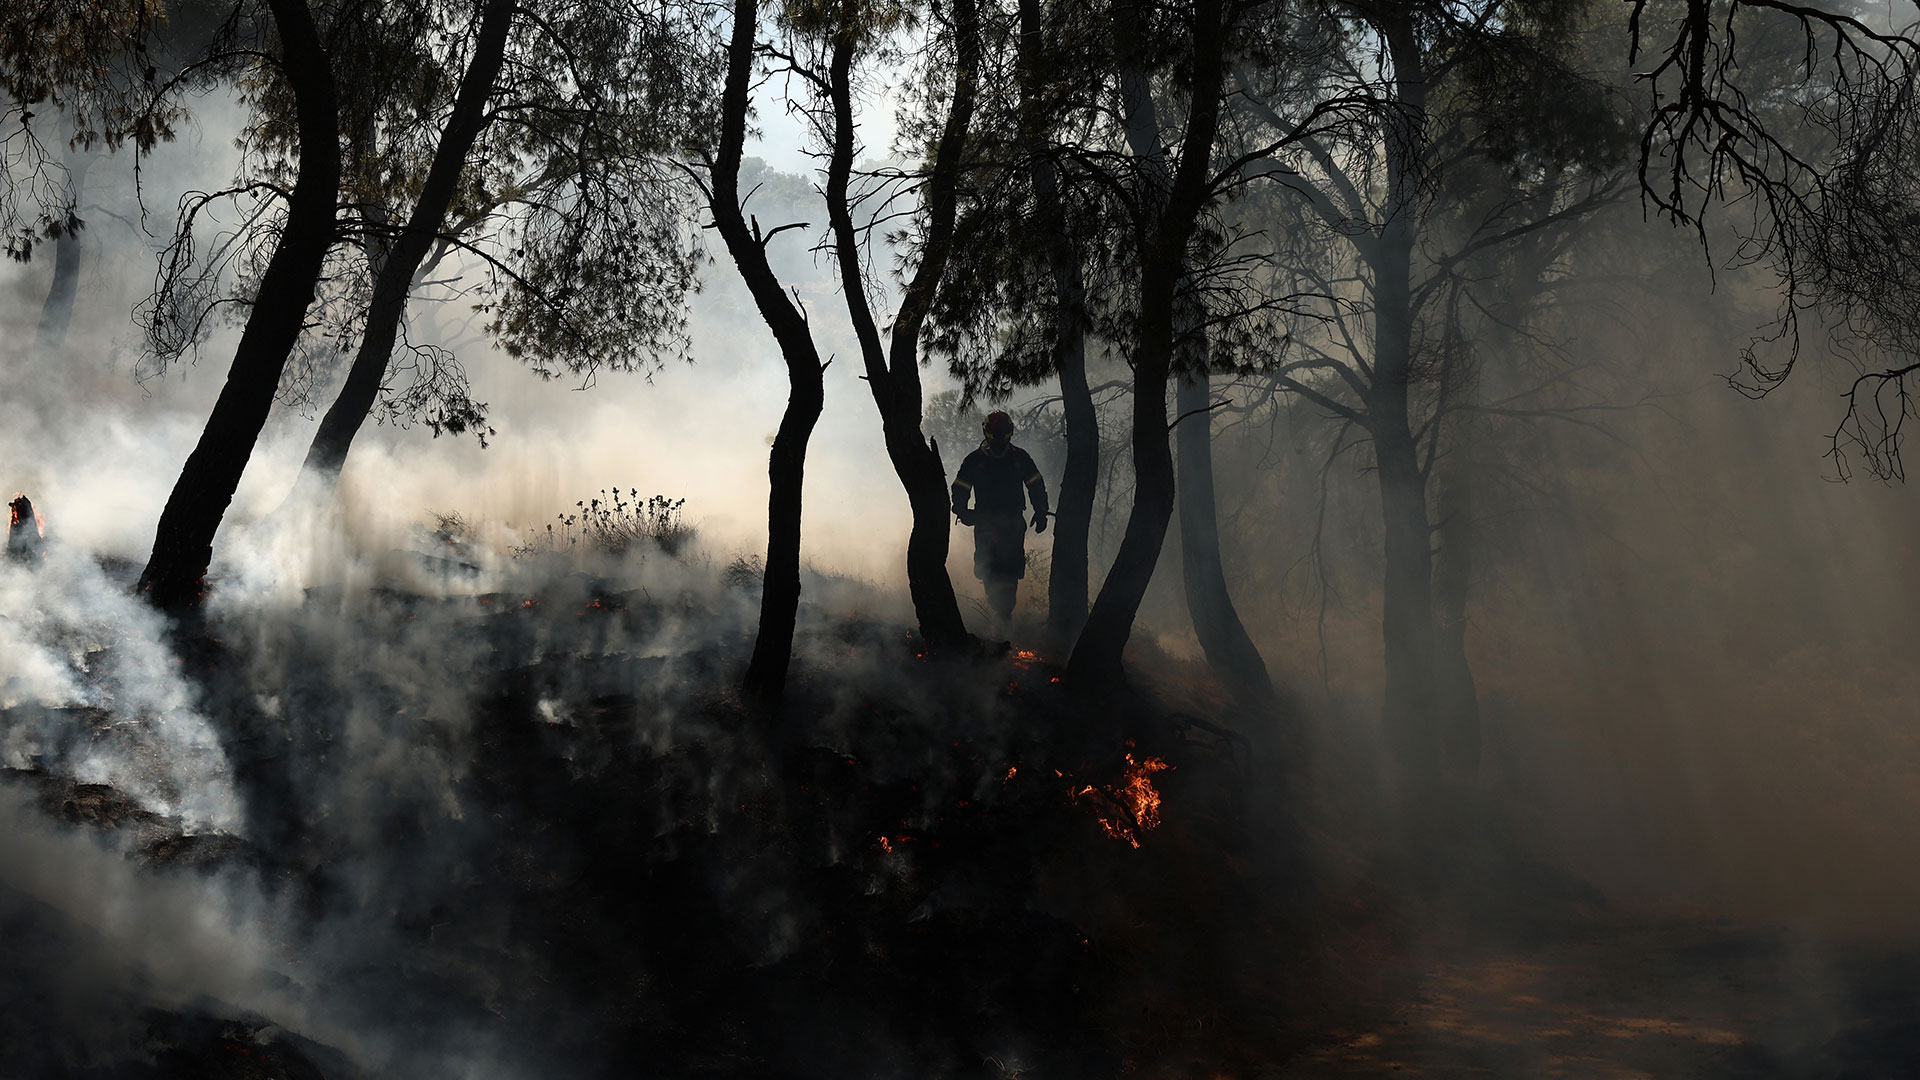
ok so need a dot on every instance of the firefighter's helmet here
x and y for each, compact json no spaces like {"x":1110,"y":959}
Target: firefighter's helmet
{"x":998,"y":423}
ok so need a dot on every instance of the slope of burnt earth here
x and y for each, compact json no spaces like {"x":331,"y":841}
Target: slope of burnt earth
{"x":605,"y":859}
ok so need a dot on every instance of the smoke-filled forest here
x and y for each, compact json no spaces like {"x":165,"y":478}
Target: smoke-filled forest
{"x":1218,"y":539}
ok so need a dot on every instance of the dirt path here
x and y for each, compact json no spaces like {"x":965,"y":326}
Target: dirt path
{"x":1676,"y":1001}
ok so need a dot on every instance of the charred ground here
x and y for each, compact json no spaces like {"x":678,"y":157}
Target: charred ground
{"x":536,"y":843}
{"x":919,"y":867}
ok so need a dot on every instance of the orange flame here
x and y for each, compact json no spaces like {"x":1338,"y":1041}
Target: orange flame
{"x":1135,"y":798}
{"x":1138,"y":792}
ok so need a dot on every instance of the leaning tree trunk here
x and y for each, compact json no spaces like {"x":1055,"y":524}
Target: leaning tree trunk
{"x":1215,"y":621}
{"x":401,"y":261}
{"x":766,"y":676}
{"x":183,"y":543}
{"x":893,"y":372}
{"x":1097,"y":656}
{"x":1073,"y":515}
{"x":56,"y":312}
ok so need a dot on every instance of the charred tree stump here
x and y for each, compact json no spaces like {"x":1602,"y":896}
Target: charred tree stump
{"x":24,"y":536}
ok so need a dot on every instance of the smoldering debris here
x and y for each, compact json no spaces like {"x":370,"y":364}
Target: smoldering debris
{"x":26,"y":530}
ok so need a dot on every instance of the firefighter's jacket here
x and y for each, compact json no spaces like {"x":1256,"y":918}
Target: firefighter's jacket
{"x":994,"y":481}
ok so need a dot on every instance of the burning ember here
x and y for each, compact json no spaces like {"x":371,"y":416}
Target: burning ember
{"x":26,"y":529}
{"x":1134,"y":802}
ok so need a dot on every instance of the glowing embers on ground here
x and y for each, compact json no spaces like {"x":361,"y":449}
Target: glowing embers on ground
{"x":1130,"y":809}
{"x":1126,"y":810}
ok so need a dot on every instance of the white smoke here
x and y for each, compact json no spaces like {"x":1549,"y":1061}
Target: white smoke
{"x":91,"y":691}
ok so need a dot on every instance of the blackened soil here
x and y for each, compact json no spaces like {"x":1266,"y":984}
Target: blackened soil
{"x":903,"y":873}
{"x":603,"y":864}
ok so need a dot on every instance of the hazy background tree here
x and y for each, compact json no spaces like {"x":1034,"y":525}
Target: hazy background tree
{"x":1384,"y":219}
{"x":76,"y":76}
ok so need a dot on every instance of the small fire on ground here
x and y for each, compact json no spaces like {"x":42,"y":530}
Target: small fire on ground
{"x":1130,"y":809}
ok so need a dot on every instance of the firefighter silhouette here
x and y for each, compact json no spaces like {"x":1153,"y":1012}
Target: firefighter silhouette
{"x":993,"y":477}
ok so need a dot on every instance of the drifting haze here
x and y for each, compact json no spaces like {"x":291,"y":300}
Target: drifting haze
{"x":1689,"y":641}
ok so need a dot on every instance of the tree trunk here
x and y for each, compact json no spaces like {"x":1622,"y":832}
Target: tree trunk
{"x":1229,"y":650}
{"x":1079,"y":477}
{"x":766,"y":675}
{"x":56,"y":312}
{"x":893,"y":374}
{"x":1407,"y":619}
{"x":1456,"y":697}
{"x":1097,"y":656}
{"x":1073,"y":516}
{"x":401,"y":262}
{"x":1407,"y":627}
{"x":183,"y":542}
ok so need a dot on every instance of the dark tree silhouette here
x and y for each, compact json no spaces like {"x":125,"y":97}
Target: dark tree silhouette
{"x":569,"y":246}
{"x":766,"y":675}
{"x":1015,"y":311}
{"x":1819,"y":155}
{"x":400,"y":263}
{"x":893,"y":367}
{"x":1169,"y":199}
{"x":1073,"y":516}
{"x":1096,"y":184}
{"x":574,"y":226}
{"x":183,"y":542}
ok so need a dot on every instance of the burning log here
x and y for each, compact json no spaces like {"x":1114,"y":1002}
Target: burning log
{"x":26,"y":530}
